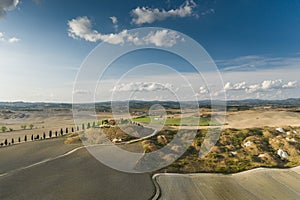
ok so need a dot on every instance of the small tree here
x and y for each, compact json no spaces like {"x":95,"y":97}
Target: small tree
{"x":44,"y":135}
{"x":55,"y":133}
{"x":19,"y":140}
{"x":72,"y":129}
{"x":25,"y":138}
{"x":38,"y":137}
{"x":12,"y":141}
{"x":82,"y":126}
{"x":61,"y":131}
{"x":67,"y":130}
{"x":3,"y":128}
{"x":5,"y":142}
{"x":31,"y":126}
{"x":50,"y":134}
{"x":94,"y":124}
{"x":88,"y":125}
{"x":77,"y":128}
{"x":32,"y":137}
{"x":23,"y":126}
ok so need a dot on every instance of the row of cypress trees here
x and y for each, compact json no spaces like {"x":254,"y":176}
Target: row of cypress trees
{"x":51,"y":134}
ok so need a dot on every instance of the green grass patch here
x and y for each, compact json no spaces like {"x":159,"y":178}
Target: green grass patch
{"x":187,"y":121}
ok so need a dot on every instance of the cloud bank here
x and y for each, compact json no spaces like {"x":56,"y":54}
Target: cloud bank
{"x":264,"y":86}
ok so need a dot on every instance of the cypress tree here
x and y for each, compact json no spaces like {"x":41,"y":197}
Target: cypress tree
{"x":55,"y":133}
{"x":5,"y":142}
{"x":67,"y":130}
{"x":61,"y":131}
{"x":19,"y":140}
{"x":50,"y":134}
{"x":12,"y":141}
{"x":25,"y":138}
{"x":44,"y":135}
{"x":72,"y":129}
{"x":32,"y":137}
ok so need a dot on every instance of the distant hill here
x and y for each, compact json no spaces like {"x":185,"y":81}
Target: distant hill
{"x":135,"y":104}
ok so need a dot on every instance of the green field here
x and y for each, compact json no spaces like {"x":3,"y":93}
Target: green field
{"x":187,"y":121}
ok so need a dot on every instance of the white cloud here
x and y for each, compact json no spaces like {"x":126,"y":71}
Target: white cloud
{"x":114,"y":20}
{"x":7,"y":5}
{"x":82,"y":92}
{"x":203,"y":90}
{"x":162,"y":38}
{"x":2,"y":37}
{"x":9,"y":40}
{"x":81,"y":27}
{"x":290,"y":84}
{"x":257,"y":62}
{"x":236,"y":86}
{"x":142,"y":15}
{"x":142,"y":87}
{"x":13,"y":40}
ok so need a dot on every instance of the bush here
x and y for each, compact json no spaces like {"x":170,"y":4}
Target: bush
{"x":3,"y":128}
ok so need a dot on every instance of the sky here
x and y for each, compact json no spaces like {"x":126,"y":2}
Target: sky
{"x":45,"y":44}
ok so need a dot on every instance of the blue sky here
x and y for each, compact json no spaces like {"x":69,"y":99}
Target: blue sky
{"x":255,"y":45}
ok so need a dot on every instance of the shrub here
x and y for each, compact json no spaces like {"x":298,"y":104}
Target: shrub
{"x":3,"y":128}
